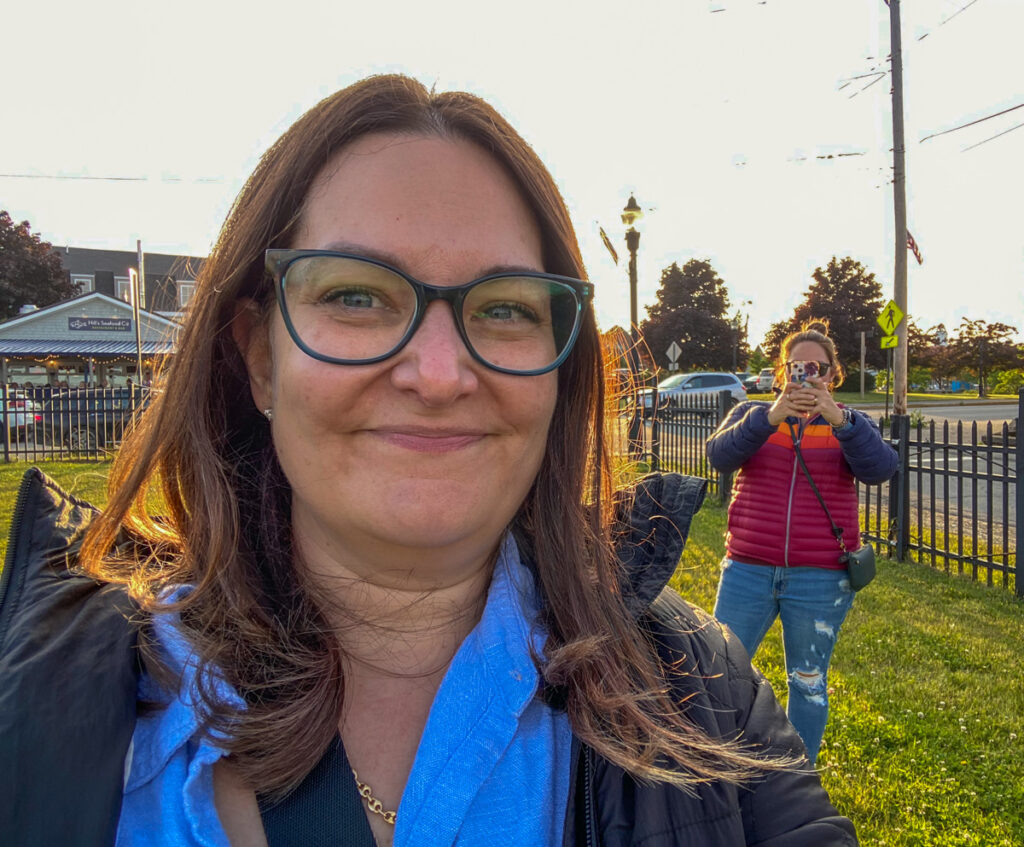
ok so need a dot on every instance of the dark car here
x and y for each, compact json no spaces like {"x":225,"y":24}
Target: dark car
{"x":88,"y":419}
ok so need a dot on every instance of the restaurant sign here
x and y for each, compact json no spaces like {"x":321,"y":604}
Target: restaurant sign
{"x":108,"y":324}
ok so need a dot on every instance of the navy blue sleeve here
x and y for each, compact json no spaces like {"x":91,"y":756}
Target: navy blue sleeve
{"x":739,"y":436}
{"x":870,"y":458}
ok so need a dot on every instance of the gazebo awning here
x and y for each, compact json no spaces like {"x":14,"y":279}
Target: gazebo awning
{"x":14,"y":347}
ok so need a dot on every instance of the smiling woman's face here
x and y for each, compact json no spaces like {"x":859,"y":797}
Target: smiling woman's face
{"x":427,"y":451}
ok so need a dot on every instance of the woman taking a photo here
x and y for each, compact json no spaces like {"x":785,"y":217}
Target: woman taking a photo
{"x":782,"y":557}
{"x":393,"y":598}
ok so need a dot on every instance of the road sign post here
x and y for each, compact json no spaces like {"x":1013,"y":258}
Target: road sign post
{"x":673,"y":353}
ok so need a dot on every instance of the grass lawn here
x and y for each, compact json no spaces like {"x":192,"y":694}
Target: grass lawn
{"x":925,"y":743}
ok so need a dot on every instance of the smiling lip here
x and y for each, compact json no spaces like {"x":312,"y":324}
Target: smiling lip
{"x":423,"y":440}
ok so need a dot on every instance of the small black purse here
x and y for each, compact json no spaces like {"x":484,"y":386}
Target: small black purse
{"x":860,"y":564}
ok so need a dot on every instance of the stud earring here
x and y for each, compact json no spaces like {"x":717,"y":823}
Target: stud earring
{"x":268,"y":414}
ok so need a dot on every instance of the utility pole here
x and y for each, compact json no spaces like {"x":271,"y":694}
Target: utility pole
{"x":899,"y":192}
{"x":863,"y":358}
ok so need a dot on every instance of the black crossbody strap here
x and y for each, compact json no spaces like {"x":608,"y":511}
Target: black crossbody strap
{"x":324,"y":811}
{"x":836,"y":530}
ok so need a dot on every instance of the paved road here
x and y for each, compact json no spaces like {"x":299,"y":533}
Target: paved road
{"x":996,"y":413}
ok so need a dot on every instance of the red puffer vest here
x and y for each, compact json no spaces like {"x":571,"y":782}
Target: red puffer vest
{"x":774,"y":517}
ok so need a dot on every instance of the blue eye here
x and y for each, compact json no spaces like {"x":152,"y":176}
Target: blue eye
{"x":351,"y":298}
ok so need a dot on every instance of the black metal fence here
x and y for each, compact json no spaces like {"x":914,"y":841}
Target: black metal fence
{"x":673,"y":438}
{"x":83,"y":424}
{"x":953,"y":503}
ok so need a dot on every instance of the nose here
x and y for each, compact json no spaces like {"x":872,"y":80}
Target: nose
{"x":435,"y":364}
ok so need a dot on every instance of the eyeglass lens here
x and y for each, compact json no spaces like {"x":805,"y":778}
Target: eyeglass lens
{"x":345,"y":308}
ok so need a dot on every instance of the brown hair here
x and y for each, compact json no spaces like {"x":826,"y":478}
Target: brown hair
{"x":228,"y":529}
{"x":816,"y":330}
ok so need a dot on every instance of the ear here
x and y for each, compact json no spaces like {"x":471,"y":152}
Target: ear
{"x":250,"y":330}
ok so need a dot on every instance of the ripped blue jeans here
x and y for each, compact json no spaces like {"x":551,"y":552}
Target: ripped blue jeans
{"x":812,"y":603}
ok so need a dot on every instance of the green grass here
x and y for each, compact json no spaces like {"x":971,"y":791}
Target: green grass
{"x":925,"y":743}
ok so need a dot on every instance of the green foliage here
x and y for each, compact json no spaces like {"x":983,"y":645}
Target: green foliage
{"x":849,"y":298}
{"x":1008,"y":381}
{"x":924,"y":744}
{"x":852,"y":381}
{"x":758,"y":361}
{"x":692,"y":311}
{"x":981,"y":347}
{"x":30,"y":270}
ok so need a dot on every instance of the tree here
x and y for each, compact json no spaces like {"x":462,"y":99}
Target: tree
{"x":692,"y":311}
{"x":758,"y":361}
{"x":846,"y":295}
{"x":982,"y":347}
{"x":30,"y":270}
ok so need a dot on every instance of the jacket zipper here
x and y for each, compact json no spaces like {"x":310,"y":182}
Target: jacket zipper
{"x":588,"y":798}
{"x":6,"y":576}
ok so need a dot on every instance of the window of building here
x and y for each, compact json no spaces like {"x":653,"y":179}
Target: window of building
{"x":83,"y":281}
{"x":185,"y":292}
{"x":123,"y":288}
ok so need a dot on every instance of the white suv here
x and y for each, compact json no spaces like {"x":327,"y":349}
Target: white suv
{"x":689,"y":385}
{"x":765,"y":380}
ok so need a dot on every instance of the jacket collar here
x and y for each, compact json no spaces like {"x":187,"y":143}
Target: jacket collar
{"x":653,"y":522}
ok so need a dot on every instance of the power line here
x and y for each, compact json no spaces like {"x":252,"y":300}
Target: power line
{"x":992,"y":138}
{"x":63,"y":176}
{"x":972,"y":123}
{"x":170,"y":179}
{"x":943,"y":23}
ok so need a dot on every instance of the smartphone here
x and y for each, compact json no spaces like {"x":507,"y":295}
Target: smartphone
{"x":800,"y":371}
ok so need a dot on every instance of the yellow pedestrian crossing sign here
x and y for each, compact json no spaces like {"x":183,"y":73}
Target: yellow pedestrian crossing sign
{"x":889,"y":341}
{"x":889,"y":319}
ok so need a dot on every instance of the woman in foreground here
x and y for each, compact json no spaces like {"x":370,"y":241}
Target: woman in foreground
{"x":394,"y":598}
{"x":782,"y":558}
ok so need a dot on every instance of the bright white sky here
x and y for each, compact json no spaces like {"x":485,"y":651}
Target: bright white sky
{"x":713,"y":118}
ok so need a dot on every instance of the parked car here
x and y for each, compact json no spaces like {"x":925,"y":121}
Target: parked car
{"x":692,"y":385}
{"x":765,"y":380}
{"x":88,"y":419}
{"x":20,"y":414}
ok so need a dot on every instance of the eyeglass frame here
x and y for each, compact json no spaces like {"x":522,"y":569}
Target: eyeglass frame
{"x":278,"y":260}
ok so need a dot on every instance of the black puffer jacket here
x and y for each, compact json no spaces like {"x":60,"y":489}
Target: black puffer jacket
{"x":68,"y":677}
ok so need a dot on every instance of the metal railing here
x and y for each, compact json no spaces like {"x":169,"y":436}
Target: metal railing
{"x":953,"y":503}
{"x":955,"y":500}
{"x":82,"y":423}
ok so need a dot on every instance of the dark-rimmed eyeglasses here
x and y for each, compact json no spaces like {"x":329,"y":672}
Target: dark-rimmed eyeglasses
{"x":350,"y":310}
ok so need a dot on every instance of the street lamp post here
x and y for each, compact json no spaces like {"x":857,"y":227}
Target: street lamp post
{"x":630,"y":215}
{"x":738,"y":323}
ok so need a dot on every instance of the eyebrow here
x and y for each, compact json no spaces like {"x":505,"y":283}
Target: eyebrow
{"x":395,"y":261}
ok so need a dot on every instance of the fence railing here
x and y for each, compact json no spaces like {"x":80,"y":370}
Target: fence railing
{"x":953,"y":503}
{"x":50,"y":423}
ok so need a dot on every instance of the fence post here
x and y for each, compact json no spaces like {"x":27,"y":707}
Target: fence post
{"x":1018,"y":583}
{"x":899,"y":485}
{"x":722,"y":405}
{"x":7,"y":430}
{"x":656,"y":413}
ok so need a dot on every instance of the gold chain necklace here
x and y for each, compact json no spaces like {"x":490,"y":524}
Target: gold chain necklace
{"x":372,"y":803}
